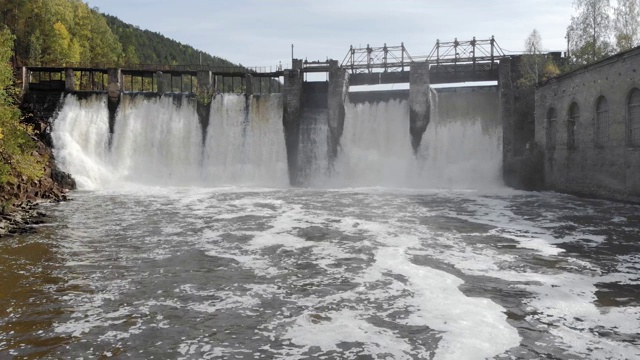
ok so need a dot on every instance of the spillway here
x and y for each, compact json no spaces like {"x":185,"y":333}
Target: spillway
{"x":158,"y":141}
{"x":245,"y":142}
{"x":462,"y":146}
{"x":376,"y":146}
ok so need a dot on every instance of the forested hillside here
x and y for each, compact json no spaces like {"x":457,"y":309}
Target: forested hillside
{"x":147,"y":47}
{"x":64,"y":32}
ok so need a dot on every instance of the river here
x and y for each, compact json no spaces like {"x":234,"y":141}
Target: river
{"x":363,"y":273}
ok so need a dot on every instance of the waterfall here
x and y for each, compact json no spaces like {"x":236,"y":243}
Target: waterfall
{"x":462,"y":146}
{"x":375,"y":146}
{"x":81,"y":140}
{"x":158,"y":141}
{"x":313,"y":147}
{"x":245,"y":142}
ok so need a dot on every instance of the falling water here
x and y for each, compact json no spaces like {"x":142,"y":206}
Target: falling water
{"x":461,"y":148}
{"x":245,"y":142}
{"x":313,"y":147}
{"x":158,"y":141}
{"x":375,"y":146}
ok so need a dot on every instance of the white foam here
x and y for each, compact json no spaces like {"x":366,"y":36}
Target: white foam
{"x":347,"y":326}
{"x":468,"y":332}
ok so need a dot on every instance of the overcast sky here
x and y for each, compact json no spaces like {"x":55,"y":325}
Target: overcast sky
{"x":260,"y":32}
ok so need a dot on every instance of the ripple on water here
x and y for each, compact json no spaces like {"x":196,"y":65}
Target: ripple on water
{"x":220,"y":273}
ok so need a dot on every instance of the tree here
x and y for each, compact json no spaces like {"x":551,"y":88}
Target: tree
{"x":16,"y":145}
{"x":533,"y":59}
{"x":58,"y":46}
{"x":590,"y":31}
{"x":626,"y":24}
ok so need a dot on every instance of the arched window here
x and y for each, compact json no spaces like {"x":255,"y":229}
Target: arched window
{"x":633,"y":121}
{"x":602,"y":121}
{"x":572,"y":122}
{"x":552,"y":128}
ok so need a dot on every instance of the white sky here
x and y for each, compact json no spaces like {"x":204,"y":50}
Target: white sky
{"x":260,"y":32}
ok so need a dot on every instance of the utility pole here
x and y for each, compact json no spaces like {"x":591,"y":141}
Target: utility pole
{"x":291,"y":55}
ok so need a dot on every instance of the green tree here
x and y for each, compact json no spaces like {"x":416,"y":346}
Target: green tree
{"x":35,"y":48}
{"x":626,"y":24}
{"x":16,"y":145}
{"x":590,"y":31}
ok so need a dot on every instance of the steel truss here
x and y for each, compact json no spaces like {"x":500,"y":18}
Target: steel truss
{"x":466,"y":52}
{"x":386,"y":58}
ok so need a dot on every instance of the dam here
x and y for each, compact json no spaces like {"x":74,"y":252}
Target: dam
{"x":298,"y":132}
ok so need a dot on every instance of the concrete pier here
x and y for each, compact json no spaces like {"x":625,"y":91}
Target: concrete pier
{"x":26,"y":79}
{"x":336,"y":97}
{"x":114,"y":90}
{"x":292,"y":101}
{"x":205,"y":82}
{"x":419,"y":106}
{"x":69,"y":80}
{"x":248,"y":81}
{"x":203,"y":100}
{"x":161,"y":83}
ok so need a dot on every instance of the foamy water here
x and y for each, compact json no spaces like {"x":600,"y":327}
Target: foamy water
{"x":240,"y":273}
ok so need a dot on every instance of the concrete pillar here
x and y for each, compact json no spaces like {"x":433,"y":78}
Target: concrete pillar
{"x":522,"y":160}
{"x":26,"y":79}
{"x":292,"y":102}
{"x":419,"y":106}
{"x":203,"y":100}
{"x":248,"y":81}
{"x":115,"y":83}
{"x":205,"y":82}
{"x":69,"y":80}
{"x":507,"y":105}
{"x":161,"y":83}
{"x":338,"y":91}
{"x":114,"y":91}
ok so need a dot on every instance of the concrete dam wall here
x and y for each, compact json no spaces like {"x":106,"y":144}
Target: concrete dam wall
{"x":365,"y":140}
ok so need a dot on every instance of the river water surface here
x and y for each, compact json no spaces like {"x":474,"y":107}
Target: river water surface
{"x":237,"y":273}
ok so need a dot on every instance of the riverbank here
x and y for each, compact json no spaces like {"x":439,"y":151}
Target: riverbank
{"x":19,"y":201}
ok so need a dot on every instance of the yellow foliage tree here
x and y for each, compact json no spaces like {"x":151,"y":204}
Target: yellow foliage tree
{"x":58,"y":46}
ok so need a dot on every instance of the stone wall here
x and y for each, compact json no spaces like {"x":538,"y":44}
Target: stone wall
{"x":522,"y":163}
{"x":609,"y":167}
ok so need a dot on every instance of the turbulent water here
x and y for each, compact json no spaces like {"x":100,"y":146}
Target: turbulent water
{"x":158,"y":141}
{"x":160,"y":257}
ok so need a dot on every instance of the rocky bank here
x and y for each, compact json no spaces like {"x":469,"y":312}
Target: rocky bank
{"x":19,"y":200}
